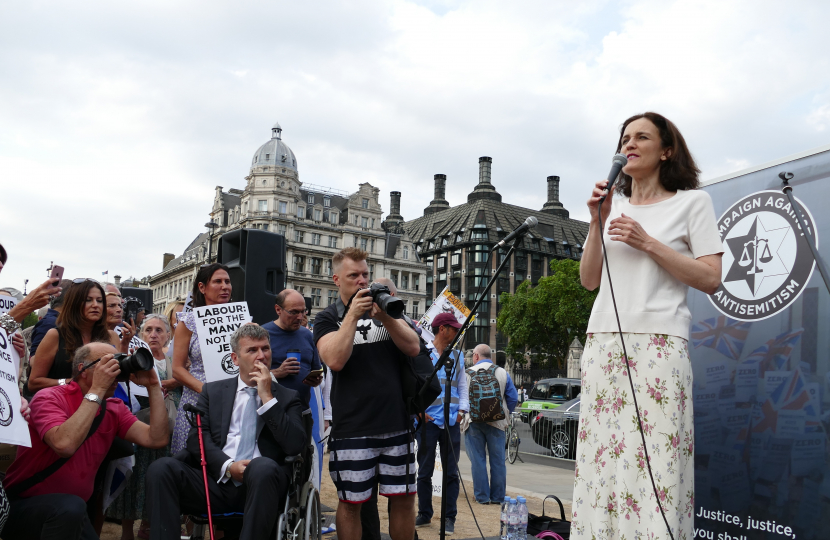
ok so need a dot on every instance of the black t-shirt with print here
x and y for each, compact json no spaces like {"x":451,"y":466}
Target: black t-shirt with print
{"x":365,"y":394}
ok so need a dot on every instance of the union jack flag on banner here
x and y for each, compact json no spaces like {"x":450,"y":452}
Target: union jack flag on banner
{"x":725,"y":335}
{"x":773,"y":354}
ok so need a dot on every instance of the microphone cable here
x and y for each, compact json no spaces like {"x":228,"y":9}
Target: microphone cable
{"x":628,"y":367}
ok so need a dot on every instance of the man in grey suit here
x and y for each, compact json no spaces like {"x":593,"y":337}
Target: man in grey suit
{"x":245,"y":461}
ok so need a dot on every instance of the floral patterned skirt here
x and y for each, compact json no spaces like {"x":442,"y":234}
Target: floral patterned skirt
{"x":613,"y":497}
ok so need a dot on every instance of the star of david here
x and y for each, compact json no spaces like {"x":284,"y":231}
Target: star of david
{"x":747,"y":264}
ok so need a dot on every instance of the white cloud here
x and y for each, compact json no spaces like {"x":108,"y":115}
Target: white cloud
{"x":119,"y":119}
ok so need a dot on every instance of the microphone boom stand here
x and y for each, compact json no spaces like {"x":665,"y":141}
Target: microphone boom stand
{"x":447,"y":363}
{"x":788,"y":191}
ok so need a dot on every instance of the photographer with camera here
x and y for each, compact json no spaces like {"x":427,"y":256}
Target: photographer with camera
{"x":364,"y":339}
{"x":72,"y":427}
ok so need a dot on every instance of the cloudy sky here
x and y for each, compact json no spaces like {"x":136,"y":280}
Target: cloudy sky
{"x":119,"y":119}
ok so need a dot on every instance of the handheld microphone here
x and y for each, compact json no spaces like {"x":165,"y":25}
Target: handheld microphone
{"x":617,"y":163}
{"x":529,"y":223}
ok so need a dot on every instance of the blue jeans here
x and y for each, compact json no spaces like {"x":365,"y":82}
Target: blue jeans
{"x":480,"y":436}
{"x":428,"y":436}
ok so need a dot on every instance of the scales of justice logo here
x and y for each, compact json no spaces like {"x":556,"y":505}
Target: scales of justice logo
{"x":228,"y":366}
{"x":766,"y":261}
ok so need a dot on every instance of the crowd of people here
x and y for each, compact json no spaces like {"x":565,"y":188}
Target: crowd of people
{"x":84,"y":416}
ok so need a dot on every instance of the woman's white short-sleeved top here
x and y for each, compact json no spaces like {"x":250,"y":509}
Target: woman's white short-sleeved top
{"x":650,"y":300}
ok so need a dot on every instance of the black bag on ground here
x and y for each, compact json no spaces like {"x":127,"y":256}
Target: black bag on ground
{"x":537,"y":524}
{"x":414,"y":373}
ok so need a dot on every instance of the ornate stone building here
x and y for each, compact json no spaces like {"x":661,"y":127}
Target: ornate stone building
{"x":455,"y":243}
{"x":316,"y":222}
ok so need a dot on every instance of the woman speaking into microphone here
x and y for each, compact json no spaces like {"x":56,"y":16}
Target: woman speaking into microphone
{"x":661,"y":238}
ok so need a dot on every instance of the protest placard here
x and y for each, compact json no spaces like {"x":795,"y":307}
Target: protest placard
{"x":7,"y":303}
{"x":446,"y":302}
{"x":214,"y":327}
{"x":188,"y":303}
{"x":13,"y":428}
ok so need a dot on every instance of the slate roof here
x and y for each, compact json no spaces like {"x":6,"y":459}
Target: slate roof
{"x":189,"y":251}
{"x":498,"y":217}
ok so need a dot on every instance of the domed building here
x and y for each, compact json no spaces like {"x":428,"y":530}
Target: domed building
{"x":316,"y":221}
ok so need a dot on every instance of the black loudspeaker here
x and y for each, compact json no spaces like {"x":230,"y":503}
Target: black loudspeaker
{"x":256,"y":260}
{"x":145,"y":296}
{"x":307,"y":304}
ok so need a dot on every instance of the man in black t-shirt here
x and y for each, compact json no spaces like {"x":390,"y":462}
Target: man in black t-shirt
{"x":363,"y":346}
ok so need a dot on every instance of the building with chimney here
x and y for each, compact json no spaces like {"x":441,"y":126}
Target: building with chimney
{"x":455,"y":241}
{"x":316,"y":222}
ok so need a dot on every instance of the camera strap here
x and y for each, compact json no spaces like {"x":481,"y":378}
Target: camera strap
{"x":16,"y":490}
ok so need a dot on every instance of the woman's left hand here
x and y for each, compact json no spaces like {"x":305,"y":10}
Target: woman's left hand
{"x":19,"y":343}
{"x":625,"y":229}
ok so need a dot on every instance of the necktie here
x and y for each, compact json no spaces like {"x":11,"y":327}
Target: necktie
{"x":247,"y":431}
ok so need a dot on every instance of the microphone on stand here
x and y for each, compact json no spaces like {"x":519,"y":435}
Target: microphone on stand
{"x":617,"y":163}
{"x":529,"y":223}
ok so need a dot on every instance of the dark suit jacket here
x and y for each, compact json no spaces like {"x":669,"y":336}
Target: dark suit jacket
{"x":285,"y":435}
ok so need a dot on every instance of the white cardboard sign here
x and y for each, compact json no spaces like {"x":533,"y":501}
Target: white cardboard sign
{"x":214,"y":327}
{"x":7,"y":303}
{"x":13,"y":428}
{"x":446,"y":302}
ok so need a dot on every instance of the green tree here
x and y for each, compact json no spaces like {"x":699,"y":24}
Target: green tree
{"x":30,"y":320}
{"x":546,"y":318}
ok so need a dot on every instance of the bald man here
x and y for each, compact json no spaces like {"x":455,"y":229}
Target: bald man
{"x":295,"y":362}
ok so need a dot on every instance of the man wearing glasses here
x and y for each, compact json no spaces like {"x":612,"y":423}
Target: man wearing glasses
{"x":295,"y":362}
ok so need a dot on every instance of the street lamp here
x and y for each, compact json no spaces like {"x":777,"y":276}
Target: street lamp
{"x":211,"y":226}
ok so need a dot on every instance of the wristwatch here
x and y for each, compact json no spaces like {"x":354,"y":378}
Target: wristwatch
{"x":93,"y":398}
{"x":228,"y":472}
{"x":61,"y":382}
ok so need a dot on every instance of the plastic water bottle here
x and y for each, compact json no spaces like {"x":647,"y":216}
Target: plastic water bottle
{"x":512,"y":520}
{"x":503,"y":531}
{"x":522,"y":511}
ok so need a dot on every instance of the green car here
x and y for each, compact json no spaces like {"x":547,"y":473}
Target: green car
{"x":549,"y":394}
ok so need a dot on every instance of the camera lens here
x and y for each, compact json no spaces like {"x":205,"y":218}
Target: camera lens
{"x":140,"y":360}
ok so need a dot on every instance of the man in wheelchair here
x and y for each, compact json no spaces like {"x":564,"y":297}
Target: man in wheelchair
{"x":250,"y":425}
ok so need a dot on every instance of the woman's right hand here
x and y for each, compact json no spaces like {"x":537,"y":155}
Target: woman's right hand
{"x":593,"y":202}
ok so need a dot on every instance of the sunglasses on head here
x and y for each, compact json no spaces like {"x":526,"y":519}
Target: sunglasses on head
{"x":83,"y":279}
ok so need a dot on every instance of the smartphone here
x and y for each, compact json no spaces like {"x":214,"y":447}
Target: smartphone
{"x":314,"y":374}
{"x":57,"y":275}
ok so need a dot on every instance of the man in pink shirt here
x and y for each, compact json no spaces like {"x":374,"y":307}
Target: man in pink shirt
{"x":61,"y":418}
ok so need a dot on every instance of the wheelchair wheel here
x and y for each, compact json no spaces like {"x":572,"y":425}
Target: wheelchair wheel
{"x":313,"y":517}
{"x":281,"y":527}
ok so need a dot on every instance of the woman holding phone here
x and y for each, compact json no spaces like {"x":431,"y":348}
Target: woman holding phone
{"x":212,"y":286}
{"x":82,"y":320}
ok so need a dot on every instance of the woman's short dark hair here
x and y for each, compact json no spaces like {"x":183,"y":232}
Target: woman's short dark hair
{"x":204,"y":275}
{"x":679,"y":170}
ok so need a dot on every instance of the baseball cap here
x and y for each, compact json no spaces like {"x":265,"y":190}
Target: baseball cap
{"x":444,"y":319}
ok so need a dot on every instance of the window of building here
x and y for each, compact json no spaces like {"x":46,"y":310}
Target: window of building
{"x":299,"y":236}
{"x":326,"y":201}
{"x":363,"y":243}
{"x":316,"y":265}
{"x":283,"y":206}
{"x":332,"y":241}
{"x":535,"y":243}
{"x":332,"y":297}
{"x":477,"y":254}
{"x":415,"y":310}
{"x":315,"y":239}
{"x":371,"y":272}
{"x":442,"y":263}
{"x":329,"y":269}
{"x":394,"y":276}
{"x":318,"y":214}
{"x":459,"y":237}
{"x":372,"y":224}
{"x":455,"y":259}
{"x":264,"y":226}
{"x":416,"y":282}
{"x":455,"y":285}
{"x":372,"y":246}
{"x":365,"y":203}
{"x":444,"y":241}
{"x":364,"y":222}
{"x":262,"y":206}
{"x":404,"y":281}
{"x":355,"y":241}
{"x":406,"y":253}
{"x":316,"y":295}
{"x":480,"y":234}
{"x":355,"y":219}
{"x":311,"y":201}
{"x":300,"y":289}
{"x":301,"y":211}
{"x":299,"y":263}
{"x":333,"y":218}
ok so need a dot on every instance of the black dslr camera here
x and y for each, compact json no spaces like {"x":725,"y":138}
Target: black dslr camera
{"x":382,"y":296}
{"x":140,"y":360}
